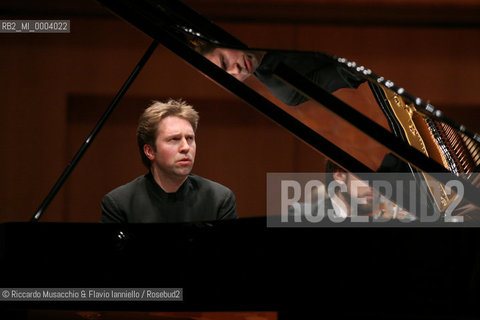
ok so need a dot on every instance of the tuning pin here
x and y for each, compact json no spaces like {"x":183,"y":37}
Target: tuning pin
{"x":430,"y":108}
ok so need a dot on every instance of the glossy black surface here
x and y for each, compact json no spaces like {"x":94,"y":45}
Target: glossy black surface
{"x":242,"y":265}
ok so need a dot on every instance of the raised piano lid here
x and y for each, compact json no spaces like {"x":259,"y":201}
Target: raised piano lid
{"x":180,"y":29}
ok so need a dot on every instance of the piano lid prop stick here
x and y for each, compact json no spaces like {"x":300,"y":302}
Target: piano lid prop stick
{"x":36,"y":217}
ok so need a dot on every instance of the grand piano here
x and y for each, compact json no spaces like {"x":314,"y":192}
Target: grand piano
{"x":248,"y":265}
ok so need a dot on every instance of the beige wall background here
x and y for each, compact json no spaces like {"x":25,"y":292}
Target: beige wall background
{"x":53,"y":88}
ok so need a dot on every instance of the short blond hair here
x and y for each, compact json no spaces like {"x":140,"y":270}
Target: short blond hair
{"x":151,"y":117}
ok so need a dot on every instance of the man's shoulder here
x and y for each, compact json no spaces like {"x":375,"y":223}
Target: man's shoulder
{"x":128,"y":188}
{"x":217,"y":198}
{"x":207,"y":184}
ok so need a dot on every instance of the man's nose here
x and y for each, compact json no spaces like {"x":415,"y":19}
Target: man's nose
{"x":184,"y":146}
{"x":235,"y":69}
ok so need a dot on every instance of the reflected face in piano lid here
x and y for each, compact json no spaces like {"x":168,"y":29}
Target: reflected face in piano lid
{"x":361,"y":193}
{"x":358,"y":192}
{"x":175,"y":148}
{"x":238,"y":63}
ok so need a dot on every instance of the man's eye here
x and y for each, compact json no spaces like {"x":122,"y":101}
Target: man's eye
{"x":224,"y":65}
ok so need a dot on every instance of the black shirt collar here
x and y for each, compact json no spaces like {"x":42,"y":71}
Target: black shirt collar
{"x":158,"y":191}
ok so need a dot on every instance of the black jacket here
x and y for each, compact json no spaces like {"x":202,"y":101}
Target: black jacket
{"x":143,"y":200}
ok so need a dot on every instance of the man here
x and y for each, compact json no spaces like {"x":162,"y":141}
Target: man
{"x":350,"y":191}
{"x":356,"y":197}
{"x":238,"y":63}
{"x":319,"y":68}
{"x":169,"y":192}
{"x":348,"y":196}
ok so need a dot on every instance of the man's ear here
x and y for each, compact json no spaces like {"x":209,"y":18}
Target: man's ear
{"x":149,"y":152}
{"x":340,"y":176}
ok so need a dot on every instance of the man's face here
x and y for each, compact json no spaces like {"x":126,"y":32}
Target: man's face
{"x":175,"y":147}
{"x":361,"y":193}
{"x":238,"y":63}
